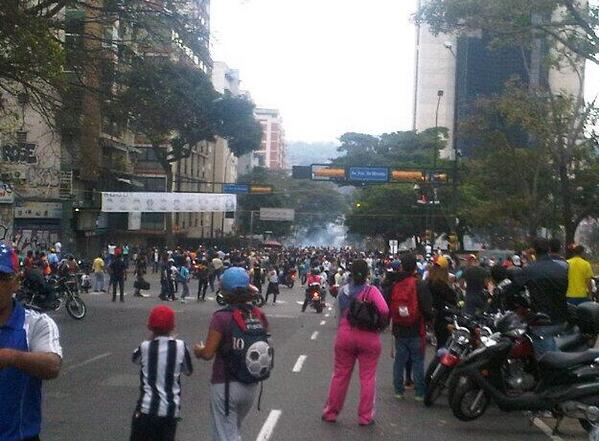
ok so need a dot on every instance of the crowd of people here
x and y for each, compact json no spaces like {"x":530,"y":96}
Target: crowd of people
{"x":408,"y":291}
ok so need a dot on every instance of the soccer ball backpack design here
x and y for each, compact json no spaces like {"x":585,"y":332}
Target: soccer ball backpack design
{"x":249,"y":356}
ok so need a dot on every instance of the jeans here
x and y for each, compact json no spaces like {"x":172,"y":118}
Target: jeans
{"x":202,"y":288}
{"x":185,"y":292}
{"x":409,"y":348}
{"x":99,"y":282}
{"x":576,"y":300}
{"x":543,"y":339}
{"x":121,"y":283}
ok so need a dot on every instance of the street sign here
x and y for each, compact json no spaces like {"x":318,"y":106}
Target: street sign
{"x":409,"y":176}
{"x":261,"y":189}
{"x":323,"y":172}
{"x":369,"y":174}
{"x":236,"y":188}
{"x":277,"y":214}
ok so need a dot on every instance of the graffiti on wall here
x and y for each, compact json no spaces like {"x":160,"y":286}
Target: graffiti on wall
{"x":34,"y":239}
{"x":21,"y":153}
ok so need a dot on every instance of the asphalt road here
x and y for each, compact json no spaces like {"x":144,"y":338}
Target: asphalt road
{"x":95,"y":395}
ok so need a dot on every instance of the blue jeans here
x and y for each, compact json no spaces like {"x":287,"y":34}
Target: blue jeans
{"x":576,"y":300}
{"x":409,"y":348}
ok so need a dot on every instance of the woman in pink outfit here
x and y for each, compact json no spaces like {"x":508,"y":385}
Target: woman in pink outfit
{"x":353,"y":344}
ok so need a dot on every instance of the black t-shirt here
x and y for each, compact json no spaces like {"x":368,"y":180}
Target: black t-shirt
{"x":475,"y":277}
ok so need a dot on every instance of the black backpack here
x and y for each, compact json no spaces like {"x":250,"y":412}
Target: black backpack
{"x":363,"y":313}
{"x":249,"y":356}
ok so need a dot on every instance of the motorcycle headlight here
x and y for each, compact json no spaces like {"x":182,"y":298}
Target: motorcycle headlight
{"x":462,"y":337}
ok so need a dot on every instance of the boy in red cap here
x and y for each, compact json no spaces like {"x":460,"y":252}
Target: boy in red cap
{"x":162,"y":360}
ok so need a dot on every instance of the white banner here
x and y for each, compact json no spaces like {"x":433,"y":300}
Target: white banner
{"x":133,"y":202}
{"x":277,"y":214}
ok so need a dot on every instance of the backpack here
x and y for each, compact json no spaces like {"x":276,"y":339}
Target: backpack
{"x":404,"y":303}
{"x":363,"y":313}
{"x":249,"y":356}
{"x":183,"y":274}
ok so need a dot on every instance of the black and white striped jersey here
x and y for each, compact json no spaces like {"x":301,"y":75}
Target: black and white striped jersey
{"x":162,"y":362}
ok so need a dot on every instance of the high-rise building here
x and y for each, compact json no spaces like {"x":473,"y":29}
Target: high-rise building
{"x":273,"y":150}
{"x":224,"y":162}
{"x":453,"y":72}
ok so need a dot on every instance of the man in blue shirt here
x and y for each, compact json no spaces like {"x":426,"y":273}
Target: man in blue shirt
{"x":29,"y":353}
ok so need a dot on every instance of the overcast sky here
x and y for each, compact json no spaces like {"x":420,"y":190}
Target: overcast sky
{"x":330,"y":66}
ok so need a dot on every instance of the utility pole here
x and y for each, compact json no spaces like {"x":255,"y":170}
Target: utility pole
{"x":252,"y":227}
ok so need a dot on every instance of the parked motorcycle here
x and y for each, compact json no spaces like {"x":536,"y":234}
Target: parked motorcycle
{"x":58,"y":288}
{"x":505,"y":371}
{"x":466,"y":336}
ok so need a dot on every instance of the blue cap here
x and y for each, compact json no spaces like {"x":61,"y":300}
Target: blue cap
{"x":234,"y":278}
{"x":9,"y":262}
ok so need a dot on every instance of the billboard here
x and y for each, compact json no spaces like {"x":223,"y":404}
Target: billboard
{"x":277,"y":214}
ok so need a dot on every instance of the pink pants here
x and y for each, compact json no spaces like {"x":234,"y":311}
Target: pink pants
{"x":351,"y":345}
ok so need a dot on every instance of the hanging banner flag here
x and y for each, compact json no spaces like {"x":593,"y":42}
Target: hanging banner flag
{"x":133,"y":202}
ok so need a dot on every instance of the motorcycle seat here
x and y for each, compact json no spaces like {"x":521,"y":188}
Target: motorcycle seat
{"x":561,"y":360}
{"x":570,"y":341}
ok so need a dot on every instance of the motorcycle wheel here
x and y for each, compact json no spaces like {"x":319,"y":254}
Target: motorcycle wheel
{"x":436,"y":376}
{"x":258,"y":300}
{"x":290,"y":284}
{"x":469,"y":401}
{"x":76,"y":307}
{"x":220,"y":300}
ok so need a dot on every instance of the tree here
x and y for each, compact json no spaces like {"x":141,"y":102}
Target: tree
{"x":547,"y":178}
{"x":317,"y":204}
{"x":571,"y":26}
{"x":50,"y":47}
{"x":174,"y":107}
{"x":392,"y":211}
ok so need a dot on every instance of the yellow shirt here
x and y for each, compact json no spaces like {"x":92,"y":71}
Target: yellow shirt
{"x":98,"y":265}
{"x":579,"y":274}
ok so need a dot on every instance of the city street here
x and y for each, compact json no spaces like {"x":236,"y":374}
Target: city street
{"x":96,"y":393}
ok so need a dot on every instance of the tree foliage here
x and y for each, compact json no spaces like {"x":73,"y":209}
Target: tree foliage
{"x":550,"y":180}
{"x":392,"y":211}
{"x":50,"y":47}
{"x":317,"y":204}
{"x":570,"y":25}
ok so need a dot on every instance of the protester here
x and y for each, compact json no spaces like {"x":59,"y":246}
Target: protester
{"x":162,"y":360}
{"x":230,"y":398}
{"x":98,"y":268}
{"x":411,"y":306}
{"x":353,"y":344}
{"x":442,"y":296}
{"x":30,"y":352}
{"x":118,"y":275}
{"x":580,"y":275}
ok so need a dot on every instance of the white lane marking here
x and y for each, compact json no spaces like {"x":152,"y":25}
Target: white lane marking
{"x":86,"y":362}
{"x":546,"y":429}
{"x":269,"y":425}
{"x":322,"y":323}
{"x":287,"y":316}
{"x":327,"y":315}
{"x":314,"y":335}
{"x":210,"y":298}
{"x":329,"y":308}
{"x":299,"y":363}
{"x":299,"y":303}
